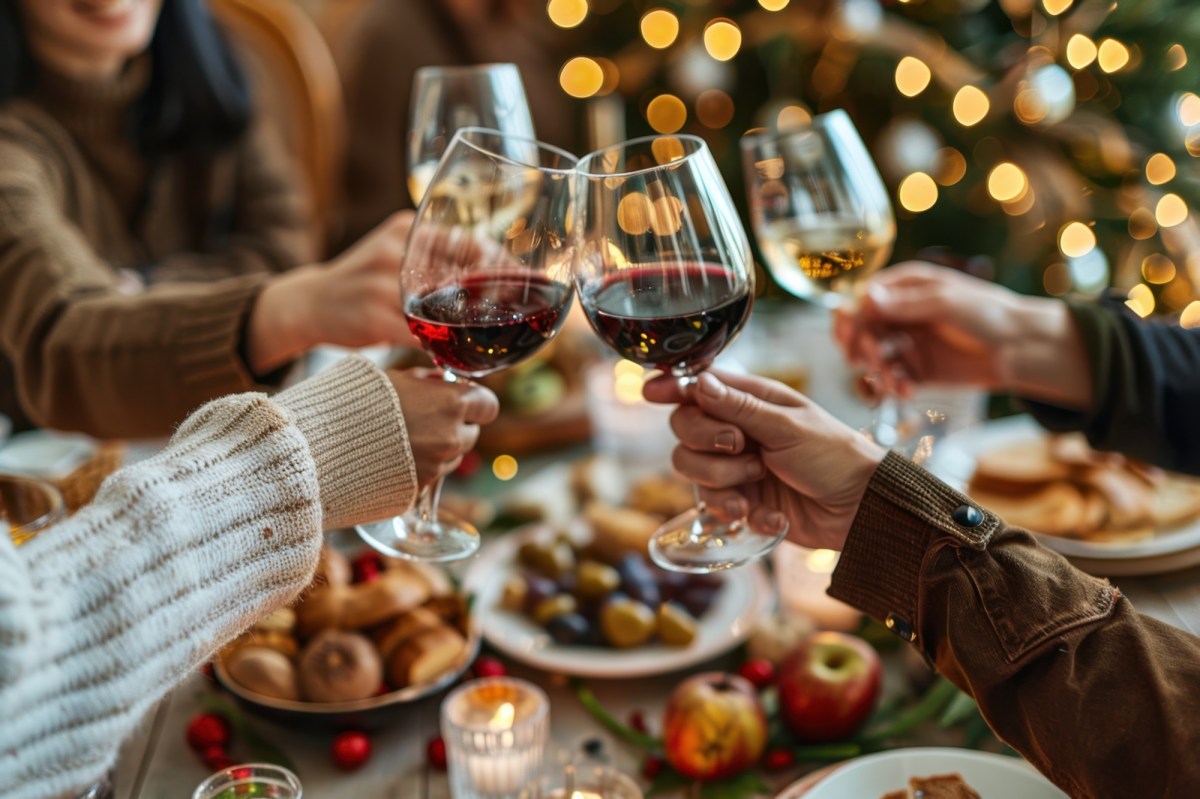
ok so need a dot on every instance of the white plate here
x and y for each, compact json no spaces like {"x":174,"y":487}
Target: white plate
{"x":992,"y":776}
{"x":953,"y":460}
{"x":745,"y":598}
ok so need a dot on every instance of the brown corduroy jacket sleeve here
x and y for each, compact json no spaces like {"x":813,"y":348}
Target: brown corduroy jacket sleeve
{"x":1103,"y":700}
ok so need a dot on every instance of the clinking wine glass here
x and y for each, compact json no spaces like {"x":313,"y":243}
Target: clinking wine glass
{"x":445,"y":99}
{"x":822,"y":216}
{"x":665,"y":277}
{"x":486,"y":282}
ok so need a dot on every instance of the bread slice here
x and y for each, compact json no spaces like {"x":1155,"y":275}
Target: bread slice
{"x":1019,"y":467}
{"x":1054,"y":509}
{"x":940,"y":786}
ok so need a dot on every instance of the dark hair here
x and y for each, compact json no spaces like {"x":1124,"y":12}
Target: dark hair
{"x":198,"y":96}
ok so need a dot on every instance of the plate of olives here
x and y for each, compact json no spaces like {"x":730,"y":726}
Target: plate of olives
{"x":548,"y":597}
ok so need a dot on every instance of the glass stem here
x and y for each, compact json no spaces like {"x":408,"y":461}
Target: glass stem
{"x":687,"y":384}
{"x":431,"y":495}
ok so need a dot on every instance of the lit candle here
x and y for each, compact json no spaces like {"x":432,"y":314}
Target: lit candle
{"x":625,"y":426}
{"x":495,"y":731}
{"x":586,"y":782}
{"x":802,"y":576}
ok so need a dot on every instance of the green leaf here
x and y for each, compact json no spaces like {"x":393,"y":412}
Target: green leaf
{"x":740,"y":786}
{"x":827,"y":753}
{"x":592,"y":705}
{"x":958,"y":710}
{"x":932,"y":703}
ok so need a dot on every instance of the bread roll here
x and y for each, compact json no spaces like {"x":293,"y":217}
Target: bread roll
{"x":426,"y":656}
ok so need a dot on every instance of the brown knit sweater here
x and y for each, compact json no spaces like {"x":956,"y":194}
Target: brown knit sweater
{"x":78,"y":204}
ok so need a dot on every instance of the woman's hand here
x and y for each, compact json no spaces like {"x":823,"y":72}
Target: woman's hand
{"x":442,"y":419}
{"x":353,"y":301}
{"x":920,"y":323}
{"x":756,"y":446}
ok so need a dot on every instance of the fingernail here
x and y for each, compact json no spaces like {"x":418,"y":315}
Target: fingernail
{"x":776,"y":522}
{"x":734,"y":509}
{"x":878,"y":294}
{"x":726,"y":441}
{"x":711,"y":386}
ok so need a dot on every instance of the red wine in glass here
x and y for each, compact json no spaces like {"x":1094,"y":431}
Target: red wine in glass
{"x":486,"y":322}
{"x":676,"y":318}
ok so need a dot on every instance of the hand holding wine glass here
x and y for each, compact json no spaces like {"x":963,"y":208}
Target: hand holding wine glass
{"x":666,"y":279}
{"x":486,"y":283}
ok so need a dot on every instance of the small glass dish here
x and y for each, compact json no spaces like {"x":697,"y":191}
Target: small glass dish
{"x":28,"y":506}
{"x":264,"y":780}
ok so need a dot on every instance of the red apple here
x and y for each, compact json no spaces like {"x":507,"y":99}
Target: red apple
{"x":828,"y":686}
{"x":715,"y":726}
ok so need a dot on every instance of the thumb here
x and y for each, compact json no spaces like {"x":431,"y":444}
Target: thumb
{"x":763,"y":421}
{"x":480,"y":405}
{"x":899,"y":305}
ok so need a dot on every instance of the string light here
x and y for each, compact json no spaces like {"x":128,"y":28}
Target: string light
{"x":659,"y":28}
{"x":714,"y":109}
{"x":666,"y":113}
{"x":722,"y":39}
{"x":581,"y":77}
{"x":1160,"y":169}
{"x":970,"y":105}
{"x":952,"y":166}
{"x":1158,"y":269}
{"x":1056,"y":7}
{"x":1142,"y":225}
{"x":918,"y":192}
{"x":1170,"y":211}
{"x":1081,"y":51}
{"x":912,"y":76}
{"x":505,"y":467}
{"x":1076,"y":240}
{"x":1112,"y":55}
{"x":1191,"y":315}
{"x":1007,"y":182}
{"x":1141,"y":300}
{"x":773,"y":5}
{"x":567,"y":13}
{"x":1189,"y":109}
{"x":1176,"y":57}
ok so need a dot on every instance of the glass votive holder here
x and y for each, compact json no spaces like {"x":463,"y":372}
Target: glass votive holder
{"x":592,"y":781}
{"x":264,"y":780}
{"x":495,"y":731}
{"x":28,"y":506}
{"x":802,"y":576}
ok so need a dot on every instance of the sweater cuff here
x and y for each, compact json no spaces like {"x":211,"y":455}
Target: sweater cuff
{"x":210,"y":328}
{"x":903,"y":515}
{"x":352,"y":419}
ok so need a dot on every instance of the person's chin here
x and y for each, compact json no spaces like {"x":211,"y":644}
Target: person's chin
{"x":129,"y":23}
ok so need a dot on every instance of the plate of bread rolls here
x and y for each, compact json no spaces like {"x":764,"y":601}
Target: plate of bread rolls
{"x":1108,"y":514}
{"x":364,"y":638}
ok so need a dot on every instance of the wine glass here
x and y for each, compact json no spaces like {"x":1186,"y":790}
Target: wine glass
{"x":665,"y":277}
{"x":822,"y":216}
{"x":486,"y":282}
{"x":445,"y":99}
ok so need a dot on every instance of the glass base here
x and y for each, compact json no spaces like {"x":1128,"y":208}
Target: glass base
{"x":697,"y":542}
{"x":410,"y":537}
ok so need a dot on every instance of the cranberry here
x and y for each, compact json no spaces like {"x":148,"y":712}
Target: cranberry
{"x":207,"y":730}
{"x":435,"y":753}
{"x":351,"y":750}
{"x":758,"y":672}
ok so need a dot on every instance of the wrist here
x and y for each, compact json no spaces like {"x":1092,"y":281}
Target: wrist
{"x":1046,"y":359}
{"x":279,"y":326}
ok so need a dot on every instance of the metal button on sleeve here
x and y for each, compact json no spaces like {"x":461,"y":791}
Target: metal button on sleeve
{"x":967,"y":516}
{"x":901,"y":627}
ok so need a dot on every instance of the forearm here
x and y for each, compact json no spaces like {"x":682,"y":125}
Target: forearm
{"x":1043,"y":648}
{"x":1046,"y":359}
{"x":106,"y":612}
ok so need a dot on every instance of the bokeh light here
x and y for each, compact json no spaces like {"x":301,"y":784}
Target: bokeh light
{"x":1007,"y":182}
{"x":1112,"y":55}
{"x":1141,"y":300}
{"x":666,"y":113}
{"x":1142,"y":225}
{"x":912,"y":76}
{"x":581,"y":77}
{"x":1076,"y":240}
{"x":628,"y":378}
{"x":792,"y":116}
{"x":1177,"y":57}
{"x":773,"y":5}
{"x":722,"y":39}
{"x":1170,"y":211}
{"x":1056,"y":7}
{"x":1158,"y":269}
{"x":1160,"y":169}
{"x":970,"y":105}
{"x":1191,"y":315}
{"x":1056,"y":279}
{"x":505,"y":467}
{"x":1189,"y":109}
{"x":918,"y":192}
{"x":660,"y":28}
{"x":1081,"y":51}
{"x":567,"y":13}
{"x":951,"y":166}
{"x":714,"y":109}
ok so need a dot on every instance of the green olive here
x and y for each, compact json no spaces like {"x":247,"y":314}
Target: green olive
{"x":516,"y":589}
{"x":556,"y":605}
{"x":676,"y":627}
{"x":626,"y":623}
{"x":551,"y":558}
{"x":596,"y":579}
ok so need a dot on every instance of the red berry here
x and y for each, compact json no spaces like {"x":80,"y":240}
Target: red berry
{"x":207,"y":671}
{"x":435,"y":753}
{"x":638,"y":722}
{"x":489,"y":667}
{"x":758,"y":672}
{"x":350,"y":750}
{"x":652,"y":767}
{"x":207,"y":730}
{"x":778,"y":759}
{"x":367,"y":566}
{"x":216,"y":758}
{"x":470,"y":463}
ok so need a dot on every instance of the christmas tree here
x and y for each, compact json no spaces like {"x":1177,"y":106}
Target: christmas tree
{"x":1047,"y":144}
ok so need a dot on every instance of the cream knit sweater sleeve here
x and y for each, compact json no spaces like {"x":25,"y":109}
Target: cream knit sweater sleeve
{"x":103,"y":614}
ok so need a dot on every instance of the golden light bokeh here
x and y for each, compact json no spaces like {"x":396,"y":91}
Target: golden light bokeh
{"x":1081,"y":51}
{"x":912,"y":76}
{"x":917,"y":192}
{"x":667,"y":149}
{"x":951,"y":166}
{"x":970,"y":106}
{"x":774,"y":5}
{"x":1029,"y":106}
{"x":1021,"y":205}
{"x":792,"y":116}
{"x":1076,"y":240}
{"x":634,"y":213}
{"x":1141,"y":300}
{"x":666,"y":113}
{"x":1189,"y":109}
{"x":1007,"y":182}
{"x":1177,"y":295}
{"x":581,"y":77}
{"x":505,"y":467}
{"x":666,"y":218}
{"x":1142,"y":225}
{"x":660,"y":28}
{"x":1170,"y":211}
{"x":714,"y":109}
{"x":1057,"y":279}
{"x":1056,"y":7}
{"x":1160,"y":169}
{"x":612,"y":75}
{"x":722,"y":39}
{"x":567,"y":13}
{"x":628,"y":378}
{"x":1112,"y":55}
{"x":1158,"y":269}
{"x":1191,"y":315}
{"x":1177,"y":57}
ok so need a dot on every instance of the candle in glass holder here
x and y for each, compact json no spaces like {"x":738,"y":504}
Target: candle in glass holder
{"x":582,"y":782}
{"x":251,"y":779}
{"x":802,"y":577}
{"x":495,"y":731}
